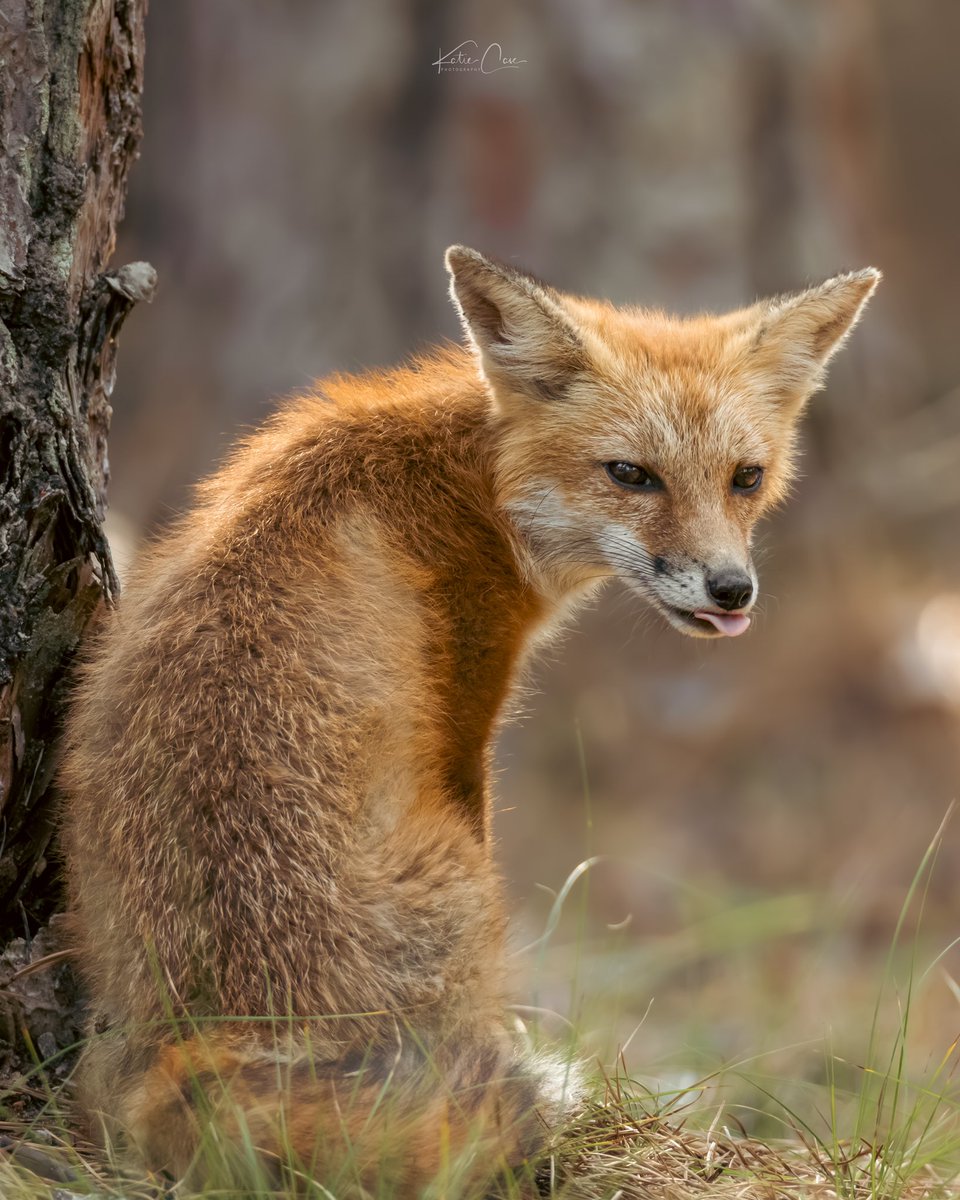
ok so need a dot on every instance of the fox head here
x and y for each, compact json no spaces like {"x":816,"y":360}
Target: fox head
{"x":642,"y":446}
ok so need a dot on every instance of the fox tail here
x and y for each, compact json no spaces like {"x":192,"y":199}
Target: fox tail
{"x":214,"y":1110}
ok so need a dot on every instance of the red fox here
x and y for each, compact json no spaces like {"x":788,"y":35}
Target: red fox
{"x":276,"y":776}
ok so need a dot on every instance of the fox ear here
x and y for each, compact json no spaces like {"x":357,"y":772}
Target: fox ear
{"x":524,"y":339}
{"x":799,"y":334}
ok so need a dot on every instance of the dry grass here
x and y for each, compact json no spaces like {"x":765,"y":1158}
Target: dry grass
{"x":610,"y":1152}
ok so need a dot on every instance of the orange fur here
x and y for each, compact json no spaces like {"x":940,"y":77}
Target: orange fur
{"x":276,"y":777}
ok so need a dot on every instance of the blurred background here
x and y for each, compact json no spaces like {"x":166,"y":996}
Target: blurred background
{"x":758,"y":809}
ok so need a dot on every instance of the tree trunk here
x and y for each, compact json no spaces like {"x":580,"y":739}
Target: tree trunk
{"x":71,"y":74}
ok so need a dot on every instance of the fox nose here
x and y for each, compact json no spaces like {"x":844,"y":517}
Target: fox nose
{"x":730,"y":589}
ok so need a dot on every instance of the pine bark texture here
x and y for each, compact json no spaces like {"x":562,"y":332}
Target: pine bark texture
{"x":71,"y":74}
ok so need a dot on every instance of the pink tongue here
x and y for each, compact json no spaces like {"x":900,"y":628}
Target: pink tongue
{"x":729,"y":624}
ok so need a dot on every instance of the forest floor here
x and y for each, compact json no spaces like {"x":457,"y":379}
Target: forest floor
{"x":873,"y":1122}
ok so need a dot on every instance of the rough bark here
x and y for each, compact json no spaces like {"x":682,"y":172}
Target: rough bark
{"x":71,"y":74}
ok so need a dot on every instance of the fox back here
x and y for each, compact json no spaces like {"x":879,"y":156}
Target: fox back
{"x":276,"y":777}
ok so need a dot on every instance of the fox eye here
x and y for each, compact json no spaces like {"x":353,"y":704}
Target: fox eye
{"x":747,"y":479}
{"x":629,"y":475}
